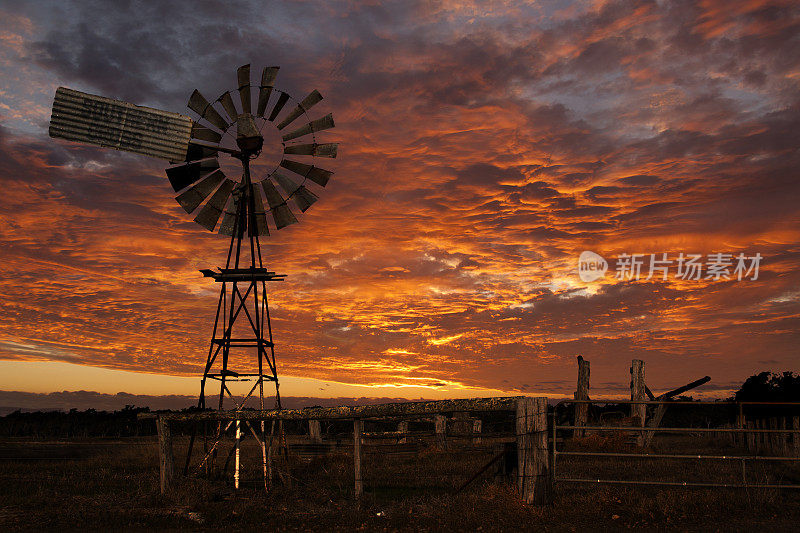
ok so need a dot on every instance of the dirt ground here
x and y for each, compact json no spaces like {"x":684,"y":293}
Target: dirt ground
{"x":98,"y":484}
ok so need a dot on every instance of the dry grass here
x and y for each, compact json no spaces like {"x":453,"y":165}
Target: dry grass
{"x":98,"y":484}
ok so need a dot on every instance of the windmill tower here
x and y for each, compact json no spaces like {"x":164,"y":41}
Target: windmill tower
{"x":241,"y":349}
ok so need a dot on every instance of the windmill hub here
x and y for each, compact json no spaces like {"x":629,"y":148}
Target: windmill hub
{"x":248,"y":138}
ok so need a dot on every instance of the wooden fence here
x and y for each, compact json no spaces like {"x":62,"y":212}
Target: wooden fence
{"x":530,"y":443}
{"x":531,"y":436}
{"x":782,"y":440}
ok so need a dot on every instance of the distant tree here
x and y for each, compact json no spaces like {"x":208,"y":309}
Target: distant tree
{"x":769,"y":387}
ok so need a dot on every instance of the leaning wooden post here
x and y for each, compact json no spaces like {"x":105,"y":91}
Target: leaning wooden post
{"x":165,"y":458}
{"x":314,"y":431}
{"x":358,"y":428}
{"x":638,"y":394}
{"x":581,"y":393}
{"x":533,"y":480}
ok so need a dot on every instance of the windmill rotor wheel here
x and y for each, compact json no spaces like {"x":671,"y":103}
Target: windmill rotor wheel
{"x":222,"y":127}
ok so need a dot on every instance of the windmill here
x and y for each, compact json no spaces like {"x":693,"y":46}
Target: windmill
{"x":232,"y":207}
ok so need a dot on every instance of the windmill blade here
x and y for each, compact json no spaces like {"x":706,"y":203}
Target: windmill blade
{"x":265,"y":90}
{"x":182,"y":175}
{"x":201,"y":133}
{"x":192,"y":197}
{"x":286,"y":183}
{"x":228,"y":225}
{"x":320,"y":176}
{"x":227,"y":104}
{"x":258,"y":218}
{"x":320,"y":150}
{"x":302,"y":196}
{"x":277,"y":205}
{"x":200,"y":105}
{"x":101,"y":121}
{"x":320,"y":124}
{"x":197,"y":151}
{"x":243,"y":76}
{"x":282,"y":99}
{"x":209,"y":215}
{"x":307,"y":103}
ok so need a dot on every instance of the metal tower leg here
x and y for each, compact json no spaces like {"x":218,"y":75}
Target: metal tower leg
{"x":243,"y":302}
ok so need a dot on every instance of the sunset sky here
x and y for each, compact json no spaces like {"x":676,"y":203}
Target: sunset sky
{"x":482,"y":149}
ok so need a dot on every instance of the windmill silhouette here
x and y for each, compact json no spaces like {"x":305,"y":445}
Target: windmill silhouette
{"x":242,"y":323}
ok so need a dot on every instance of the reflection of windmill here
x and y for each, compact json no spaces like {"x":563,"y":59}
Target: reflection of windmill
{"x":198,"y":178}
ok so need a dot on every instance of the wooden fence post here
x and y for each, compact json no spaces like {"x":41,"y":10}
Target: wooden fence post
{"x":751,"y":437}
{"x":358,"y":428}
{"x":581,"y":393}
{"x":638,"y":394}
{"x":796,"y":436}
{"x":533,"y":481}
{"x":165,"y":458}
{"x":462,"y":424}
{"x":773,"y":437}
{"x":440,"y":425}
{"x":759,"y":436}
{"x":314,"y":431}
{"x":477,"y":428}
{"x":784,"y":437}
{"x":402,"y":428}
{"x":269,"y":454}
{"x":238,"y":437}
{"x":741,"y":438}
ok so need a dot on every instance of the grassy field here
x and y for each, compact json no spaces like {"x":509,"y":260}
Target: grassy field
{"x":113,"y":484}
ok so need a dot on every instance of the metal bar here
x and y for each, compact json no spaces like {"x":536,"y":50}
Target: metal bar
{"x":250,"y":393}
{"x":679,"y":456}
{"x":230,"y":395}
{"x":255,"y":435}
{"x":671,"y":402}
{"x":231,"y":151}
{"x":678,"y":483}
{"x":679,"y":430}
{"x":214,"y":446}
{"x":483,"y":469}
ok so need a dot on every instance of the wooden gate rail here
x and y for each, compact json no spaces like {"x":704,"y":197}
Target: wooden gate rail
{"x":533,"y":474}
